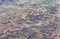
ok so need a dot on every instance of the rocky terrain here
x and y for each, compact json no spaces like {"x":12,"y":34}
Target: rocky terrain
{"x":29,"y":19}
